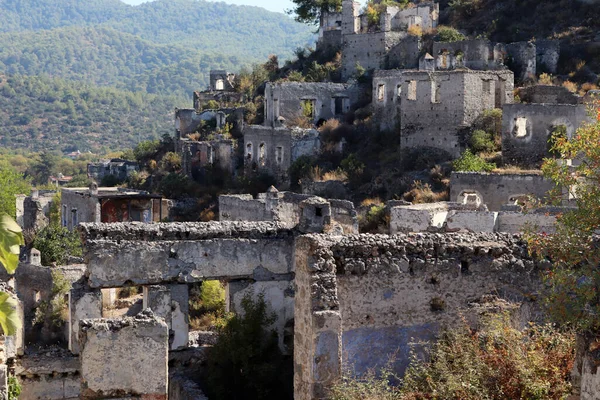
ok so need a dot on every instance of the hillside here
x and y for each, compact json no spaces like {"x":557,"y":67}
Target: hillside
{"x":200,"y":25}
{"x":40,"y":113}
{"x":106,"y":57}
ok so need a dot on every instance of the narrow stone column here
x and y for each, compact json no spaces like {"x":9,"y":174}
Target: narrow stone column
{"x":170,"y":302}
{"x":84,"y":303}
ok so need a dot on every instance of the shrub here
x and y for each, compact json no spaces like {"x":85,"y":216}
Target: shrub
{"x":300,"y":169}
{"x":570,"y":86}
{"x":495,"y":362}
{"x":207,"y":305}
{"x":57,"y":243}
{"x":53,"y":313}
{"x":469,"y":162}
{"x":295,"y":76}
{"x":14,"y":388}
{"x":375,"y":220}
{"x":498,"y":361}
{"x":448,"y":34}
{"x":415,"y":30}
{"x":246,"y":362}
{"x":481,"y":141}
{"x":422,"y":193}
{"x":545,"y":79}
{"x":211,"y":105}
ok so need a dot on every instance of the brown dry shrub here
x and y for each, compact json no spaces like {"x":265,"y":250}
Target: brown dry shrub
{"x":422,"y":193}
{"x":570,"y":86}
{"x":299,"y":121}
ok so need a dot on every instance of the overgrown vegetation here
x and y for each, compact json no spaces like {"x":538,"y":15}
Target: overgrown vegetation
{"x":246,"y":362}
{"x":56,"y":244}
{"x":496,"y":361}
{"x":14,"y":388}
{"x":207,"y":306}
{"x":51,"y":315}
{"x":572,"y":281}
{"x":469,"y":162}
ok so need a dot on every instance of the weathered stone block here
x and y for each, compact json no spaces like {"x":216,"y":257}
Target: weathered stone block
{"x":84,"y":303}
{"x":126,"y":357}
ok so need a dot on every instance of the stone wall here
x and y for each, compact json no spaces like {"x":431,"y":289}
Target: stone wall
{"x":52,"y":375}
{"x":437,"y":106}
{"x":404,"y":55}
{"x":548,"y":94}
{"x":496,"y":190}
{"x":124,"y":358}
{"x":87,"y":207}
{"x":326,"y":189}
{"x":268,"y":149}
{"x":33,"y":211}
{"x":521,"y":58}
{"x":243,"y":207}
{"x":526,"y":129}
{"x":369,"y":50}
{"x":288,"y":100}
{"x":363,"y":299}
{"x":387,"y":98}
{"x":473,"y":54}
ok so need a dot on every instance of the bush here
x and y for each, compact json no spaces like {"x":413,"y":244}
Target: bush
{"x":481,"y":141}
{"x":57,"y":243}
{"x":422,"y":193}
{"x":375,"y":220}
{"x":246,"y":362}
{"x":14,"y":388}
{"x":469,"y":162}
{"x":207,"y":306}
{"x":495,"y":362}
{"x":448,"y":34}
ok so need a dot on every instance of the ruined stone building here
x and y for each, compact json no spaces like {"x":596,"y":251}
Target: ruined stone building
{"x":432,"y":108}
{"x":221,"y":89}
{"x":528,"y":127}
{"x":33,"y":211}
{"x":108,"y":204}
{"x":285,"y":102}
{"x":116,"y":167}
{"x":273,"y":149}
{"x":384,"y":45}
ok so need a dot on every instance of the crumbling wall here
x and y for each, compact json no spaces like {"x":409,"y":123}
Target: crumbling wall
{"x":88,"y":208}
{"x":369,"y":50}
{"x":521,"y":58}
{"x":363,"y":299}
{"x":33,"y":211}
{"x":547,"y":55}
{"x":287,"y":100}
{"x":405,"y":54}
{"x":496,"y":190}
{"x":437,"y":106}
{"x":243,"y":207}
{"x":526,"y":129}
{"x":53,"y":375}
{"x":473,"y":54}
{"x":327,"y":189}
{"x":387,"y":98}
{"x":268,"y":149}
{"x":124,"y":357}
{"x":548,"y":94}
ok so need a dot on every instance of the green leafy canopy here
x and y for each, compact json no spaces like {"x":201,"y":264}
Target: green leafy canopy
{"x":11,"y":240}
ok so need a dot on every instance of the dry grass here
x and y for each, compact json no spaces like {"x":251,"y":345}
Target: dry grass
{"x":318,"y":175}
{"x":299,"y":121}
{"x":415,"y":30}
{"x":570,"y":86}
{"x":545,"y":79}
{"x":422,"y":193}
{"x":515,"y":170}
{"x":371,"y":201}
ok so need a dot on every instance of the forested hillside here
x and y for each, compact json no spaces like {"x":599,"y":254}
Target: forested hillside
{"x":77,"y":73}
{"x":40,"y":113}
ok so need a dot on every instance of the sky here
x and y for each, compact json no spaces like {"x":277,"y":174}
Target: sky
{"x":272,"y":5}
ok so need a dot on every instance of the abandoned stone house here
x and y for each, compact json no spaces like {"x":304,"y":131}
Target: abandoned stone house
{"x":109,"y":204}
{"x":274,"y":149}
{"x":386,"y":44}
{"x":286,"y":102}
{"x":528,"y":127}
{"x":221,"y":89}
{"x":432,"y":108}
{"x":116,"y":167}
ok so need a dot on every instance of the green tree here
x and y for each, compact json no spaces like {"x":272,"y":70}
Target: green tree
{"x":469,"y":162}
{"x":43,"y":168}
{"x":246,"y":362}
{"x":574,"y":278}
{"x":11,"y":184}
{"x":310,"y":11}
{"x":56,"y":243}
{"x":11,"y":240}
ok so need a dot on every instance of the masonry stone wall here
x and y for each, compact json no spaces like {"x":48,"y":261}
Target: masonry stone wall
{"x":496,"y":190}
{"x":369,"y":50}
{"x":327,"y":189}
{"x":473,"y":54}
{"x":547,"y":56}
{"x":387,"y":98}
{"x":33,"y":211}
{"x":243,"y":207}
{"x":289,"y":99}
{"x":268,"y":149}
{"x":405,"y":54}
{"x":107,"y":373}
{"x":548,"y":94}
{"x":88,"y":208}
{"x":526,"y":129}
{"x":53,"y":375}
{"x":363,"y":299}
{"x":437,"y":106}
{"x":521,"y":58}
